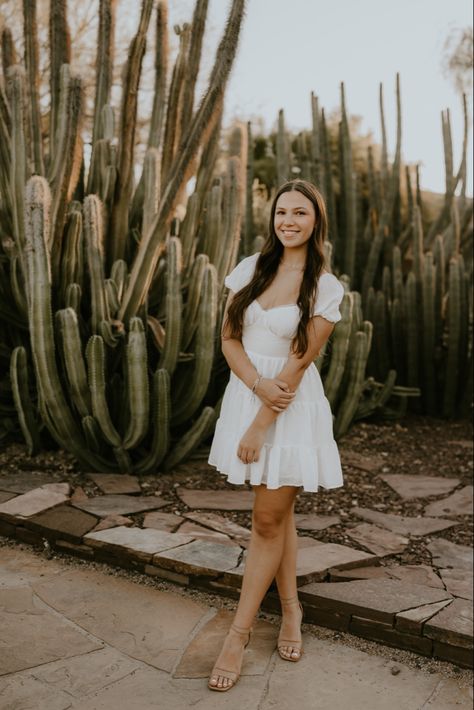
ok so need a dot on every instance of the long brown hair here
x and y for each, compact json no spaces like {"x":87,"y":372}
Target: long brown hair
{"x":269,"y":260}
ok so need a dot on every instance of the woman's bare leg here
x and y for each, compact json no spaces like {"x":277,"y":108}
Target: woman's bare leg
{"x":264,"y":554}
{"x":287,"y":587}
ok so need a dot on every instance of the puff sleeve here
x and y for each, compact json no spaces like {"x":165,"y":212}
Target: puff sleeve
{"x":241,"y":275}
{"x":328,"y":298}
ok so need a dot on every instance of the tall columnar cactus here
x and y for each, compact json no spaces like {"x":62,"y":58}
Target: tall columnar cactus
{"x":120,"y":305}
{"x":414,"y":274}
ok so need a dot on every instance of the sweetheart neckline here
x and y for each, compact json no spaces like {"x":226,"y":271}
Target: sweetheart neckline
{"x":285,"y":305}
{"x":274,"y":308}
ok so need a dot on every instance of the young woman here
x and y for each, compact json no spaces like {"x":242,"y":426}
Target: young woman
{"x":275,"y":425}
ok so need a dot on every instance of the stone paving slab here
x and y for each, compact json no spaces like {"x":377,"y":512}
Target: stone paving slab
{"x":113,"y":521}
{"x":22,"y":691}
{"x":168,"y":522}
{"x":412,"y":620}
{"x":135,"y":542}
{"x":408,"y":486}
{"x":314,"y":560}
{"x":201,"y":557}
{"x":24,"y":481}
{"x":148,"y":689}
{"x":402,"y":524}
{"x":376,"y":599}
{"x":459,"y":503}
{"x":5,"y":495}
{"x":201,"y":654}
{"x":453,"y":624}
{"x":378,"y":540}
{"x":371,"y":463}
{"x":216,"y":500}
{"x":119,"y":504}
{"x":389,"y":635}
{"x":414,"y":574}
{"x":146,"y":624}
{"x":198,"y":531}
{"x":313,"y":563}
{"x":53,"y":637}
{"x":457,"y":582}
{"x":334,"y":677}
{"x":35,"y":501}
{"x":451,"y":555}
{"x":221,"y":524}
{"x":115,"y":483}
{"x":62,"y":521}
{"x":87,"y":673}
{"x":315,"y":522}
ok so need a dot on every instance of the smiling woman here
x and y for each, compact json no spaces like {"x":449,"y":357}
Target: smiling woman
{"x":275,"y":424}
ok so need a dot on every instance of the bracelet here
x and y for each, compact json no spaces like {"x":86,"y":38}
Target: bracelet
{"x":256,"y":383}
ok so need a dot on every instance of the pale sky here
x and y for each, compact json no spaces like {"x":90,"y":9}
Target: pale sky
{"x":289,"y":48}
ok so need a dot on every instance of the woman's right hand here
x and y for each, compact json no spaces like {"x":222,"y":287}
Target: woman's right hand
{"x":274,"y":393}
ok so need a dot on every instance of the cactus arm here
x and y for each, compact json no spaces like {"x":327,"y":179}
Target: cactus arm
{"x":169,"y":356}
{"x":21,"y":397}
{"x":151,"y":245}
{"x":93,"y":233}
{"x":127,"y":126}
{"x":192,"y":394}
{"x":199,"y":431}
{"x":96,"y":363}
{"x":339,"y":352}
{"x":351,"y":399}
{"x":161,"y":423}
{"x":73,"y":360}
{"x":137,"y":379}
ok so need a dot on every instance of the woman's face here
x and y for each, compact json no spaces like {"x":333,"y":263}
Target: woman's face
{"x":294,"y":220}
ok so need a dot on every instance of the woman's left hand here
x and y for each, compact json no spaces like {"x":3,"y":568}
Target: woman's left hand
{"x":251,"y":444}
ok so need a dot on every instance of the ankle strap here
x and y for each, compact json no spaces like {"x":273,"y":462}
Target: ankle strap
{"x":289,"y":600}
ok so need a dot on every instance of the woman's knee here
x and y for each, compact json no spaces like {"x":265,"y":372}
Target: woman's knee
{"x":268,"y":523}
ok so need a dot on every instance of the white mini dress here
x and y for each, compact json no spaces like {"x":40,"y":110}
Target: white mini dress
{"x":299,"y":447}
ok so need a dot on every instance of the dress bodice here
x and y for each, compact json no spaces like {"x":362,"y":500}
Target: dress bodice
{"x":270,"y":332}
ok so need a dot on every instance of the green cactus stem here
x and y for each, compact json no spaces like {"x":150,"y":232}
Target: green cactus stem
{"x":137,"y":383}
{"x":161,"y":423}
{"x":198,"y":432}
{"x":23,"y":403}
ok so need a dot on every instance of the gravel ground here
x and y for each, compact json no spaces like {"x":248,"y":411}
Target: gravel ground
{"x":463,"y":676}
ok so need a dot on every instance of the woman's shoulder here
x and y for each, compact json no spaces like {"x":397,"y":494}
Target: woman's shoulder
{"x":330,"y":279}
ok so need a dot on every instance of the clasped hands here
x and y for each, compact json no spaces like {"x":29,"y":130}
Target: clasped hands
{"x":276,"y":395}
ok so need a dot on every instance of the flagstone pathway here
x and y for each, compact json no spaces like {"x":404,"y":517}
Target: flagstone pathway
{"x":355,"y":587}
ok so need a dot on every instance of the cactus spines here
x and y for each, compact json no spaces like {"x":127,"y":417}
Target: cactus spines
{"x":93,"y":235}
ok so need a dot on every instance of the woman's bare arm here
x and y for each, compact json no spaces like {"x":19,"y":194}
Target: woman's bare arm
{"x":319,"y":330}
{"x":275,"y":392}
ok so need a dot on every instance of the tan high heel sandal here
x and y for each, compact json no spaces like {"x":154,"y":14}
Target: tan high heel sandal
{"x":283,"y":643}
{"x":233,"y":676}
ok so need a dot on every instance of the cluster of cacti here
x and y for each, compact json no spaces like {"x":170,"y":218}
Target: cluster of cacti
{"x":413,"y":272}
{"x":114,"y":300}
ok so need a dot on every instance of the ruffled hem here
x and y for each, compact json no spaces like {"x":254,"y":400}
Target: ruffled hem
{"x":289,"y":465}
{"x":299,"y":448}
